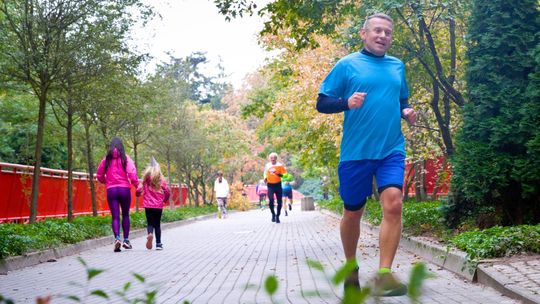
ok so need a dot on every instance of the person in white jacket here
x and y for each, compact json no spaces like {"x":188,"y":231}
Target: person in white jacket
{"x":221,"y":187}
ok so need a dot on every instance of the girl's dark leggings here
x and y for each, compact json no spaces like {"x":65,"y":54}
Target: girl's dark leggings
{"x":119,"y":198}
{"x":153,"y":219}
{"x":275,"y":189}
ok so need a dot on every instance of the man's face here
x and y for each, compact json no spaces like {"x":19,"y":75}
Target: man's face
{"x":273,"y":159}
{"x":377,"y":36}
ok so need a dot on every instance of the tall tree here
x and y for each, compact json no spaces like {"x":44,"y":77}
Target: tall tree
{"x":494,"y":143}
{"x":427,"y":37}
{"x":38,"y":37}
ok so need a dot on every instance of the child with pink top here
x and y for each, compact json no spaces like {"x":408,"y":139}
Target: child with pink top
{"x":117,"y":171}
{"x":156,"y":194}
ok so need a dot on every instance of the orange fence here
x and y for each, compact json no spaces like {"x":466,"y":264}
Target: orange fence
{"x":16,"y":188}
{"x":434,"y":176}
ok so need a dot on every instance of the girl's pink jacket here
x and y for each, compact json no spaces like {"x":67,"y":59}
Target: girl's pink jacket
{"x":153,"y":198}
{"x":115,"y":175}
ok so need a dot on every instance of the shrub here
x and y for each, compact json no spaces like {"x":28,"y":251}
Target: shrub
{"x":499,"y":241}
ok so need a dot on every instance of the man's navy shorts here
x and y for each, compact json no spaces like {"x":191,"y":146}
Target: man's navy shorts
{"x":356,"y":178}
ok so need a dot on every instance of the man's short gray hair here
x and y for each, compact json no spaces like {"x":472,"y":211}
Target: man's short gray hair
{"x":377,"y":15}
{"x":273,"y":154}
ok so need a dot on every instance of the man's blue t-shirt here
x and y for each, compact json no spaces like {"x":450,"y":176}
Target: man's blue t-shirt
{"x":372,"y":131}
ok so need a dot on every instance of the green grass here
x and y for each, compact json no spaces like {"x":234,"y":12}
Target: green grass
{"x":426,"y":219}
{"x":19,"y":239}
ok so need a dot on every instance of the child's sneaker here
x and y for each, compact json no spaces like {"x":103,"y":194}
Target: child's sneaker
{"x":386,"y":285}
{"x":117,"y":245}
{"x":127,"y":244}
{"x":159,"y":246}
{"x":149,"y":240}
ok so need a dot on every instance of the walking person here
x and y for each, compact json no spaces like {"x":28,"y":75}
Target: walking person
{"x":156,"y":193}
{"x":273,"y":171}
{"x":221,"y":187}
{"x":369,"y":86}
{"x":117,"y":171}
{"x":262,"y":190}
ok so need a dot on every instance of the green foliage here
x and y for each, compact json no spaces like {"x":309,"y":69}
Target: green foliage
{"x":496,"y":154}
{"x":428,"y":217}
{"x":305,"y":19}
{"x":19,"y":239}
{"x":499,"y":241}
{"x":335,"y":205}
{"x":148,"y":295}
{"x":18,"y":113}
{"x":5,"y":300}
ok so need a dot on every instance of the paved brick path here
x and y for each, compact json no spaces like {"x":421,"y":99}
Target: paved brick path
{"x":226,"y":261}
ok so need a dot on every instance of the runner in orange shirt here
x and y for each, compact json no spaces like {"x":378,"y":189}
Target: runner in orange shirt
{"x":273,"y":171}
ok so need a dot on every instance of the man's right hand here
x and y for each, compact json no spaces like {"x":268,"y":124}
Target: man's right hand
{"x":356,"y":100}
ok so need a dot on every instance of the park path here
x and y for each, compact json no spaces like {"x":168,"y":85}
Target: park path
{"x":226,"y":261}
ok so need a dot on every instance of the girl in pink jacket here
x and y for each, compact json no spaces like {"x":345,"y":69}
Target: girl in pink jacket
{"x":156,"y":194}
{"x":117,"y":171}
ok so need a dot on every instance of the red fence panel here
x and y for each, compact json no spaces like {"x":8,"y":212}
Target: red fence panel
{"x":16,"y":187}
{"x":433,"y":172}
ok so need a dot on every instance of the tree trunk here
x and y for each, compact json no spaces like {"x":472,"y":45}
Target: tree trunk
{"x":375,"y":190}
{"x":419,"y":176}
{"x":90,"y":164}
{"x":168,"y":158}
{"x":70,"y":162}
{"x":136,"y":160}
{"x":408,"y":183}
{"x":37,"y":166}
{"x":440,"y":173}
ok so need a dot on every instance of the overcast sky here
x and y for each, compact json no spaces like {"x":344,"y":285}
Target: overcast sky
{"x":188,"y":26}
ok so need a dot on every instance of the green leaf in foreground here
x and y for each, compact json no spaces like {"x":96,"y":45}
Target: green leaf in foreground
{"x":419,"y":273}
{"x":315,"y":264}
{"x":92,"y":272}
{"x":271,"y":284}
{"x":100,"y":293}
{"x":343,"y":272}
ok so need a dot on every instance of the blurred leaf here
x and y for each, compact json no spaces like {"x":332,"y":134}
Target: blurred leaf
{"x":139,"y":277}
{"x":92,"y":272}
{"x":271,"y":284}
{"x":315,"y":264}
{"x":419,"y":274}
{"x":343,"y":272}
{"x":127,"y":286}
{"x":99,"y":293}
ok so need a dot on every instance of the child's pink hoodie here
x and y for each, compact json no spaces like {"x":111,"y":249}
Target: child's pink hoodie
{"x":153,"y":198}
{"x":115,"y":175}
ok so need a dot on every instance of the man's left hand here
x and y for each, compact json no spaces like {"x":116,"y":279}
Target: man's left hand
{"x":410,"y":115}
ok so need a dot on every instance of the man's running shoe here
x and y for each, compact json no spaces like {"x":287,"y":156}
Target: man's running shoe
{"x":117,"y":245}
{"x":273,"y":218}
{"x":386,"y":285}
{"x":286,"y":214}
{"x":290,"y":206}
{"x":159,"y":246}
{"x":127,"y":244}
{"x":277,"y":220}
{"x":149,"y":240}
